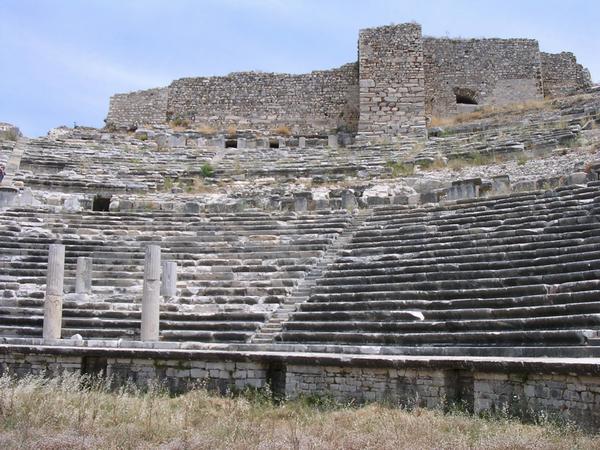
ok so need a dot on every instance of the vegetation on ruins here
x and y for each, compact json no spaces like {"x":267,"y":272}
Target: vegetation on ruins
{"x":488,"y":111}
{"x":180,"y":122}
{"x":232,"y":130}
{"x":207,"y":170}
{"x":11,"y":135}
{"x":400,"y":168}
{"x":206,"y":130}
{"x":522,"y":159}
{"x":71,"y":411}
{"x":282,"y":130}
{"x":168,"y":184}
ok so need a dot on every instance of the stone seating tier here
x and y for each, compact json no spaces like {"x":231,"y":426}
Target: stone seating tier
{"x":521,"y":270}
{"x":234,"y":269}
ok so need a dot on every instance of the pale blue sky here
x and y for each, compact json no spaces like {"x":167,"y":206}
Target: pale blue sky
{"x":62,"y":59}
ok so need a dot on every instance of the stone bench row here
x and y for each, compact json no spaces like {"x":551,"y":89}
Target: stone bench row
{"x":539,"y":338}
{"x":493,"y":262}
{"x":103,"y":324}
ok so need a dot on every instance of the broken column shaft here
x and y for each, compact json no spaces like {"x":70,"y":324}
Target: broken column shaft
{"x":168,"y":287}
{"x":151,"y":295}
{"x":83,"y":276}
{"x":54,"y":292}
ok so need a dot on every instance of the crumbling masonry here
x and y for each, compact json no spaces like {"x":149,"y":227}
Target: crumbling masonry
{"x":400,"y":79}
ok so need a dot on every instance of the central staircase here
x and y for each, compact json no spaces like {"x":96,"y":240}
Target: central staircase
{"x":274,"y":325}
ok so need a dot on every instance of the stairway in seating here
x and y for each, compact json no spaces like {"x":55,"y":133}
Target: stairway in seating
{"x":273,"y":326}
{"x":14,"y":162}
{"x":505,"y":276}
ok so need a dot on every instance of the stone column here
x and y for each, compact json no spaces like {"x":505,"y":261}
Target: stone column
{"x":332,"y":141}
{"x":168,"y":286}
{"x":151,"y":294}
{"x":349,"y":200}
{"x":301,"y":142}
{"x":83,"y":276}
{"x":54,"y":292}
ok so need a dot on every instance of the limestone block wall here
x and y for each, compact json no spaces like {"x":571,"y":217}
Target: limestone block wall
{"x":412,"y":387}
{"x":567,"y":396}
{"x":392,"y":82}
{"x":563,"y":75}
{"x":490,"y":71}
{"x":178,"y":375}
{"x":318,"y":102}
{"x":138,"y":108}
{"x":564,"y":389}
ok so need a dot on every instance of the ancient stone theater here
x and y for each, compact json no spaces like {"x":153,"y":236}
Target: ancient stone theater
{"x":421,"y":226}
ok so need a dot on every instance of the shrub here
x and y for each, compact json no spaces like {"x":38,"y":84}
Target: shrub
{"x":207,"y":170}
{"x":168,"y":184}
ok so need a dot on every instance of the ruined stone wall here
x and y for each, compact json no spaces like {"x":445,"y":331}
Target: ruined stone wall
{"x":526,"y":389}
{"x":138,"y":108}
{"x":319,"y":102}
{"x":563,"y":75}
{"x":400,"y":78}
{"x":411,"y":387}
{"x":392,"y":82}
{"x":490,"y":71}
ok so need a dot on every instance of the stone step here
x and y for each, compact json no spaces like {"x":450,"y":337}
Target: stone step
{"x":429,"y":326}
{"x":537,"y":337}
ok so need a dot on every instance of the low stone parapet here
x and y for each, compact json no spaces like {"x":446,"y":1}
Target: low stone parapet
{"x":564,"y":388}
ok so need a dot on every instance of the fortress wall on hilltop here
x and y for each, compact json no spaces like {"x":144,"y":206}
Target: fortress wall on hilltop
{"x":563,"y":75}
{"x":399,"y":79}
{"x":392,"y":81}
{"x":489,"y":71}
{"x":138,"y":108}
{"x":318,"y":102}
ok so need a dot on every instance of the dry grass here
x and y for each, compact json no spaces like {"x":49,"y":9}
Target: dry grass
{"x":206,"y":129}
{"x":282,"y":130}
{"x":490,"y":111}
{"x":70,"y":413}
{"x":198,"y":186}
{"x":232,"y":130}
{"x":400,"y":168}
{"x":180,"y":123}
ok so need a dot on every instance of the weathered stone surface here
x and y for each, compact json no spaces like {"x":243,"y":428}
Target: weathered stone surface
{"x":54,"y":292}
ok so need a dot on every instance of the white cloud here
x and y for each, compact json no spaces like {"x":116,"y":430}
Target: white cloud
{"x":80,"y":62}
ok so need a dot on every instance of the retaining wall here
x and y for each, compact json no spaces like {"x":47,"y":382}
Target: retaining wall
{"x":567,"y":389}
